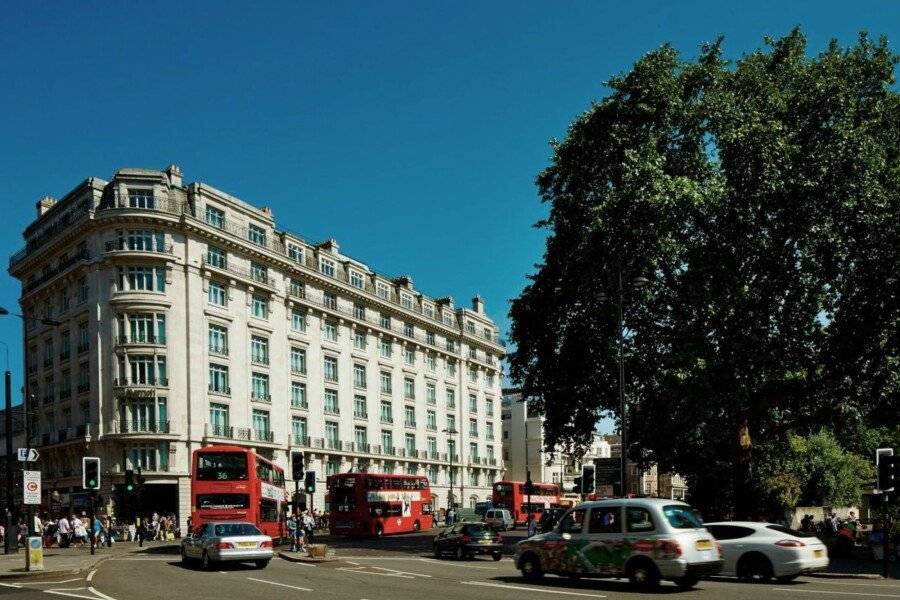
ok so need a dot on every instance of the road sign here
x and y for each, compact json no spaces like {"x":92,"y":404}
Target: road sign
{"x":31,"y":487}
{"x":608,"y":471}
{"x":28,"y":454}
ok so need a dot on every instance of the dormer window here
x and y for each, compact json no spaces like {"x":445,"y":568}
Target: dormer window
{"x":383,"y":291}
{"x":428,"y":310}
{"x":141,"y":199}
{"x":406,"y":301}
{"x":257,"y":235}
{"x":356,"y":279}
{"x":326,"y":266}
{"x":215,"y":217}
{"x":448,"y":317}
{"x":295,"y":253}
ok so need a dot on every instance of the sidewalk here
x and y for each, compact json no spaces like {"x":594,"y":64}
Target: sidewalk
{"x":73,"y":561}
{"x":857,"y":568}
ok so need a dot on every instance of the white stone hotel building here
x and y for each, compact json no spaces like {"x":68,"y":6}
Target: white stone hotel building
{"x":188,"y":319}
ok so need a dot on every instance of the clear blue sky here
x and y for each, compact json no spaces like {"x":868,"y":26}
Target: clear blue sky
{"x":410,"y":132}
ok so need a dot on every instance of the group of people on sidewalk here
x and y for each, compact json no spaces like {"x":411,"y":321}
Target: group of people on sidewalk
{"x":301,"y":527}
{"x":75,"y":530}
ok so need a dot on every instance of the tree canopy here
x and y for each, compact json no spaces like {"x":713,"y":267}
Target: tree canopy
{"x":760,"y":197}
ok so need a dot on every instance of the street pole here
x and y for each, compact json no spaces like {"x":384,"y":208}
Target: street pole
{"x":7,"y":545}
{"x":527,"y":470}
{"x":622,"y":434}
{"x":886,"y":538}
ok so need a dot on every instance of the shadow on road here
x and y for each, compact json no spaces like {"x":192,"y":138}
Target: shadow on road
{"x":224,"y":566}
{"x":588,"y":584}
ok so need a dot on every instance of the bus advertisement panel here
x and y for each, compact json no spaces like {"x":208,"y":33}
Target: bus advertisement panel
{"x":231,"y":483}
{"x":511,"y":496}
{"x":378,"y":504}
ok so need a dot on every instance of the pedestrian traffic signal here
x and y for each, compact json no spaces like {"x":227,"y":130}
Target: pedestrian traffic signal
{"x":129,"y":480}
{"x":90,"y":473}
{"x":888,"y":467}
{"x":297,"y":464}
{"x":309,"y":482}
{"x":587,"y":479}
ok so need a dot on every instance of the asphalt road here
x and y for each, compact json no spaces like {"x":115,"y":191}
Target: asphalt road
{"x":391,"y":569}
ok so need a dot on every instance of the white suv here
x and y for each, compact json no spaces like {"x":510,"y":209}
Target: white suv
{"x":644,"y":539}
{"x":499,"y":518}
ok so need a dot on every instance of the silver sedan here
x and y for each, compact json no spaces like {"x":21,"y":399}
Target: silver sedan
{"x":220,"y":541}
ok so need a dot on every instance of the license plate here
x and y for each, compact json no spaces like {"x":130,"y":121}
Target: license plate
{"x":484,"y":542}
{"x":246,"y":544}
{"x":704,"y":545}
{"x":818,"y":553}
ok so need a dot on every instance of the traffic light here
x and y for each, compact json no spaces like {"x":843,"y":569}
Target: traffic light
{"x":577,"y":487}
{"x":297,"y":464}
{"x":90,"y":473}
{"x":140,"y":479}
{"x":129,"y":481}
{"x":587,"y":479}
{"x":888,"y":465}
{"x":309,"y":482}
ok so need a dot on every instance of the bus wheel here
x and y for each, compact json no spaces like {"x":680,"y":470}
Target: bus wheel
{"x":417,"y":526}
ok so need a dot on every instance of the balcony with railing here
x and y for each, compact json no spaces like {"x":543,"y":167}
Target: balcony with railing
{"x":49,"y":274}
{"x":155,"y":205}
{"x":138,"y":427}
{"x":124,"y":246}
{"x":122,"y":382}
{"x":242,"y":272}
{"x":148,"y":339}
{"x":238,"y":434}
{"x":260,"y":397}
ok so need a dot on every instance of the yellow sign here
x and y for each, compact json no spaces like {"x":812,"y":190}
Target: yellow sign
{"x":34,"y":558}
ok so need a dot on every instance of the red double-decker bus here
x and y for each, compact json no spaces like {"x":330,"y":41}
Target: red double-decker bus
{"x":378,"y":504}
{"x":511,"y":496}
{"x":232,"y":483}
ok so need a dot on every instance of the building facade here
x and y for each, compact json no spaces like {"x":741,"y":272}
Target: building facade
{"x":524,"y":447}
{"x":188,"y":319}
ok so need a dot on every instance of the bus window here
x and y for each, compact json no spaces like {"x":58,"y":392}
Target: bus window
{"x":268,"y":510}
{"x":221,"y":466}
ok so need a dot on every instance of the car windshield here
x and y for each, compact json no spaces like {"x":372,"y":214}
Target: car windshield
{"x":476,"y":529}
{"x":682,"y":516}
{"x":789,"y":531}
{"x":233,"y":529}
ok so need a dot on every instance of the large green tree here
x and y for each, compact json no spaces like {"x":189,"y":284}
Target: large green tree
{"x":760,"y":197}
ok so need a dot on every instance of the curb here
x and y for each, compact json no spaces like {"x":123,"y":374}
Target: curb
{"x":50,"y":574}
{"x":827,"y":575}
{"x":304,"y":559}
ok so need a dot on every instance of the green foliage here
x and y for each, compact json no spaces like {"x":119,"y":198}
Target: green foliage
{"x":761,"y":199}
{"x":816,"y":471}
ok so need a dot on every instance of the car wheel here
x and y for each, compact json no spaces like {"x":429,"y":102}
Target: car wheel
{"x":496,"y":556}
{"x":460,"y":553}
{"x":643,"y":574}
{"x":686,"y":583}
{"x":262,"y":564}
{"x":531,"y":568}
{"x":207,"y":563}
{"x":754,"y":567}
{"x":417,"y":526}
{"x":787,"y":578}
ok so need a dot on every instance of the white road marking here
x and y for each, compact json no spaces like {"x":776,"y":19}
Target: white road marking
{"x":91,"y":575}
{"x":356,"y":570}
{"x":101,"y":594}
{"x":11,"y":585}
{"x":293,"y":587}
{"x":353,"y":563}
{"x":530,"y":589}
{"x":869,"y":594}
{"x":403,"y":572}
{"x":49,"y":582}
{"x":823,"y":582}
{"x":455,"y":564}
{"x":223,"y":572}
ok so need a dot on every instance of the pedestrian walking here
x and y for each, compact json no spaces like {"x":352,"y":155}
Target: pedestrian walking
{"x":309,"y":525}
{"x":532,"y":525}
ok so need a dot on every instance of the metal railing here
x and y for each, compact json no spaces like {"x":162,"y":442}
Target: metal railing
{"x":123,"y":245}
{"x":245,"y":273}
{"x":125,"y":426}
{"x":150,"y":382}
{"x":148,"y":338}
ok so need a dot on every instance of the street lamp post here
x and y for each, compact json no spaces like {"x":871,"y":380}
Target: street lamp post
{"x":450,"y":457}
{"x":636,"y":284}
{"x":29,"y":524}
{"x":8,"y":543}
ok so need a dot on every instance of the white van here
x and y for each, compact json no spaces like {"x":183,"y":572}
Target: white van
{"x":644,"y":539}
{"x":499,"y":518}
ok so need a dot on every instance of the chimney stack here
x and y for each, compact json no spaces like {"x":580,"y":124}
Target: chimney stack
{"x":45,"y":204}
{"x":174,"y":173}
{"x":478,"y":304}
